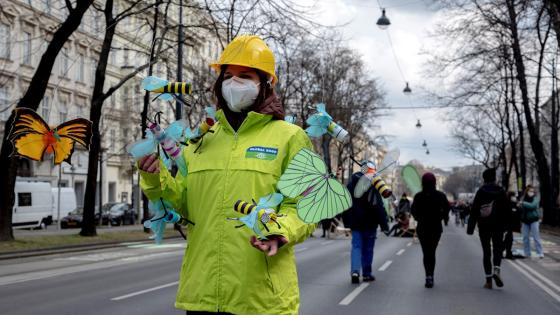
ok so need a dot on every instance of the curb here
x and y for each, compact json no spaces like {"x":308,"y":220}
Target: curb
{"x":73,"y":248}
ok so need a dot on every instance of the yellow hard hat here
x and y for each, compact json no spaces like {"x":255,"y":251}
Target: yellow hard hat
{"x":248,"y":51}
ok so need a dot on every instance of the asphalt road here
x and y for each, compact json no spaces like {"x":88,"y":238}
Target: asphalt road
{"x":141,"y":279}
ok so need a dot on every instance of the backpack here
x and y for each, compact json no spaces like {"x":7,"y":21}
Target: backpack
{"x":486,"y":209}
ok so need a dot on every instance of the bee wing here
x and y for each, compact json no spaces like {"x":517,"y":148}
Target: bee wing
{"x":211,"y":111}
{"x":151,"y":83}
{"x":315,"y":131}
{"x":165,"y":97}
{"x":176,"y":130}
{"x":318,"y":120}
{"x":321,"y":109}
{"x":250,"y":220}
{"x":141,"y":148}
{"x":291,"y":119}
{"x":362,"y":185}
{"x":390,"y":159}
{"x":270,"y":201}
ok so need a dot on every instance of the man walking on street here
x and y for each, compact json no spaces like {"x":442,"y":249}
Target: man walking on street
{"x":363,"y":218}
{"x":488,"y":211}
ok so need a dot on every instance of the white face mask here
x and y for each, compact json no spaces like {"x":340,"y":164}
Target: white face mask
{"x":513,"y":199}
{"x":239,"y":93}
{"x":531,"y":194}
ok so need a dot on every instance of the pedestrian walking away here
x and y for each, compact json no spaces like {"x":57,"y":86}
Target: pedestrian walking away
{"x":226,"y":269}
{"x":489,"y":211}
{"x":429,"y":208}
{"x":363,"y":218}
{"x":530,"y":218}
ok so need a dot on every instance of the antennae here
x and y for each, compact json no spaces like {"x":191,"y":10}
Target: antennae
{"x":352,"y":158}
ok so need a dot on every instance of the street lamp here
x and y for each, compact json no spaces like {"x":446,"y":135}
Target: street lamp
{"x":424,"y":144}
{"x":407,"y":89}
{"x":383,"y":22}
{"x":418,"y":124}
{"x":427,"y":151}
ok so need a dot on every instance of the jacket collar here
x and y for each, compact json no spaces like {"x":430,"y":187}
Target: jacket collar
{"x":252,"y":120}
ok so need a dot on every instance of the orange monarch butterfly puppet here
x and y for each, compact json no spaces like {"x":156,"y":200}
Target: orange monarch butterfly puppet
{"x":34,"y":139}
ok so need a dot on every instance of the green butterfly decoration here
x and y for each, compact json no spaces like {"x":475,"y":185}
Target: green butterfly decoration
{"x":321,"y":195}
{"x":411,"y":179}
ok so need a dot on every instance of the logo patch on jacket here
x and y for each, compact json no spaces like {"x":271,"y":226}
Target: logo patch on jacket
{"x":261,"y":153}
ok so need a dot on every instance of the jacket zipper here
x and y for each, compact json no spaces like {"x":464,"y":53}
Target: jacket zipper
{"x":226,"y":184}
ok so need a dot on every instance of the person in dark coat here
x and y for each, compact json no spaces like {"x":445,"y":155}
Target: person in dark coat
{"x":512,"y":223}
{"x":429,"y":208}
{"x":489,"y":210}
{"x":363,"y":218}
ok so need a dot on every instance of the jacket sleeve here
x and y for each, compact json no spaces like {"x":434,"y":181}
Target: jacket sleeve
{"x":291,"y":226}
{"x":531,"y":205}
{"x":445,"y":208}
{"x":474,"y":212}
{"x":163,"y":185}
{"x":414,"y":209}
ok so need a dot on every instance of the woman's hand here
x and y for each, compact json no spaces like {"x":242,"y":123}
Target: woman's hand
{"x":270,"y":246}
{"x":149,"y":163}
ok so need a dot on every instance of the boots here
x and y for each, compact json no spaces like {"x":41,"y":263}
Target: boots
{"x":488,"y":284}
{"x":429,"y":282}
{"x":497,"y":278}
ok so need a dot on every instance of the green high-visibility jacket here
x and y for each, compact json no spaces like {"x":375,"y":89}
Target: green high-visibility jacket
{"x":221,"y":271}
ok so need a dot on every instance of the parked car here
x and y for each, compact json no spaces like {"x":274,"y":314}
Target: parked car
{"x":73,"y":219}
{"x":122,"y":214}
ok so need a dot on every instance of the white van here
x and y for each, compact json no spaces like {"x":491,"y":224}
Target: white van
{"x":67,"y":202}
{"x":33,"y":205}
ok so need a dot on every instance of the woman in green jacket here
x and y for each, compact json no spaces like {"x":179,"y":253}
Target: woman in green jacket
{"x":229,"y":270}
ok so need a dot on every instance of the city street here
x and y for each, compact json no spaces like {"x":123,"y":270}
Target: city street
{"x":141,"y":278}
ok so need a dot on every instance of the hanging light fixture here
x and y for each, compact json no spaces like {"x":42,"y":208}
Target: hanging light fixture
{"x":418,"y":124}
{"x":383,"y":22}
{"x":428,"y":151}
{"x":407,"y":89}
{"x":424,"y":144}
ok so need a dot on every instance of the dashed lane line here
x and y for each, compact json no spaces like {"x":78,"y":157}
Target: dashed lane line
{"x":385,"y":265}
{"x":301,"y":249}
{"x":400,"y":252}
{"x":327,"y":242}
{"x":409,"y":244}
{"x":350,"y":297}
{"x":126,"y":296}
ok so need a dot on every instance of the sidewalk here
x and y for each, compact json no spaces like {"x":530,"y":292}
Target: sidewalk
{"x":52,"y":230}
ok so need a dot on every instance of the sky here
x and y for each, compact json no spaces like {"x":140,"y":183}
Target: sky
{"x":411,"y":21}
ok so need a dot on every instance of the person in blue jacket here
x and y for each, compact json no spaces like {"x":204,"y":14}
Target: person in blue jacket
{"x":363,"y":218}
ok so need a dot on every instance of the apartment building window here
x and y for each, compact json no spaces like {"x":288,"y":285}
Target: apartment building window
{"x":26,"y":46}
{"x":46,"y":108}
{"x":124,"y":96}
{"x":63,"y":111}
{"x":93,"y":67}
{"x":113,"y":140}
{"x":4,"y":101}
{"x":81,"y":68}
{"x":5,"y":42}
{"x":113,"y":57}
{"x":125,"y":57}
{"x":63,"y":69}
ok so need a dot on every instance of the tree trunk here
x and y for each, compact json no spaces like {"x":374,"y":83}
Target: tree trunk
{"x":554,"y":159}
{"x":554,"y":12}
{"x":97,"y":98}
{"x":31,"y":99}
{"x":543,"y":170}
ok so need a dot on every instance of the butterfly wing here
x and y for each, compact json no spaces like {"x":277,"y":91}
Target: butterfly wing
{"x":305,"y":171}
{"x":28,"y":134}
{"x":362,"y":185}
{"x":76,"y":130}
{"x":327,"y":200}
{"x":270,"y":201}
{"x":411,"y":179}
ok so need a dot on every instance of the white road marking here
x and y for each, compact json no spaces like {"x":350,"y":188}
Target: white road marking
{"x":400,"y":252}
{"x":350,"y":297}
{"x":385,"y":265}
{"x":538,"y":275}
{"x":43,"y":274}
{"x":535,"y":281}
{"x":327,"y":242}
{"x":126,"y":296}
{"x":301,"y":249}
{"x":409,"y":244}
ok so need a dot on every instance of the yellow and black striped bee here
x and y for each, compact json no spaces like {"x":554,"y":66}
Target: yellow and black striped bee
{"x":262,"y":212}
